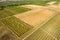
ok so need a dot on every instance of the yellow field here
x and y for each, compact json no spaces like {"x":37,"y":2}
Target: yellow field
{"x":35,"y":18}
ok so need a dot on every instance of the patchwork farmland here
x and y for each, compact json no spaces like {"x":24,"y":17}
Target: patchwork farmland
{"x":49,"y":31}
{"x":11,"y":11}
{"x":30,"y":20}
{"x":14,"y":24}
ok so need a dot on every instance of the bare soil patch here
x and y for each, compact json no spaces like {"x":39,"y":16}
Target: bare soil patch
{"x":38,"y":14}
{"x":31,"y":6}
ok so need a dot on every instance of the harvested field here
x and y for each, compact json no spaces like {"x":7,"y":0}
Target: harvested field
{"x":32,"y":6}
{"x":49,"y":31}
{"x":53,"y":7}
{"x":35,"y":18}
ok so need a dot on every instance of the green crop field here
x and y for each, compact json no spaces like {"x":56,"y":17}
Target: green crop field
{"x":50,"y":28}
{"x":5,"y":13}
{"x":18,"y":9}
{"x":16,"y":25}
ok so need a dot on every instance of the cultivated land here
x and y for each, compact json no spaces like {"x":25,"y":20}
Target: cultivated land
{"x":37,"y":11}
{"x":30,"y":22}
{"x":16,"y":25}
{"x":6,"y":34}
{"x":49,"y":31}
{"x":6,"y":16}
{"x":4,"y":13}
{"x":18,"y":9}
{"x":35,"y":17}
{"x":38,"y":14}
{"x":12,"y":11}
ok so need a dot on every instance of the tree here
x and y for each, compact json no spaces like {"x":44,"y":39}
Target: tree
{"x":2,"y":7}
